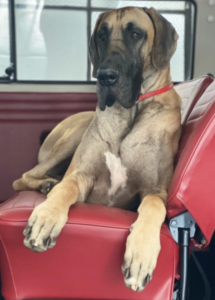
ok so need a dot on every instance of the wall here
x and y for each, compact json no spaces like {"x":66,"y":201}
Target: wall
{"x":205,"y":38}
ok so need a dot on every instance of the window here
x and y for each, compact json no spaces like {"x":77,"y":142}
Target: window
{"x":4,"y":36}
{"x":49,"y":38}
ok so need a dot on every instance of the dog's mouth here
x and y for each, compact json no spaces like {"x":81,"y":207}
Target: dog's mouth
{"x":110,"y":100}
{"x":120,"y":92}
{"x":106,"y":98}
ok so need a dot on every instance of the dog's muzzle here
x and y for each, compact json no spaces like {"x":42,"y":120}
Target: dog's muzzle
{"x":106,"y":79}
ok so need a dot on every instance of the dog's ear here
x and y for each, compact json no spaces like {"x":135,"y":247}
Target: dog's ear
{"x":93,"y":51}
{"x":165,"y":41}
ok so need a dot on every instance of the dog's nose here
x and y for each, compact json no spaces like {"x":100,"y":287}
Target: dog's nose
{"x":107,"y":76}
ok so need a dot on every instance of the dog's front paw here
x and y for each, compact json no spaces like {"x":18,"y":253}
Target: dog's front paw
{"x":44,"y":226}
{"x":140,"y":258}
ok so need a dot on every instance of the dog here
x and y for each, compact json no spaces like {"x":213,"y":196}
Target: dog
{"x":125,"y":148}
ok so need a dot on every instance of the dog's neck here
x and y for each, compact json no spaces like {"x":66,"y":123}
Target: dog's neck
{"x":118,"y":122}
{"x":155,"y":79}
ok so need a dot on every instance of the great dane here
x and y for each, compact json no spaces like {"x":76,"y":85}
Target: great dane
{"x":125,"y":148}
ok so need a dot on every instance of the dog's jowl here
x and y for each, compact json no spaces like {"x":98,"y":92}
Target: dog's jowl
{"x":126,"y":148}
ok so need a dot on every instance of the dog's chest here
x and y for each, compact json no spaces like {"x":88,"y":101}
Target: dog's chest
{"x":112,"y":186}
{"x":118,"y":173}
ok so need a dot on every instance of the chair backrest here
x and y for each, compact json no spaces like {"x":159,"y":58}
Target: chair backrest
{"x":190,"y":92}
{"x":193,"y":184}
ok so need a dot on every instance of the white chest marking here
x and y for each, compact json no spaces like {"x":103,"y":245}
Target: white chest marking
{"x":118,"y":175}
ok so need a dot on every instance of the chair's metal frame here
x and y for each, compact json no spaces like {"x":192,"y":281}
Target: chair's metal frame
{"x":183,"y":228}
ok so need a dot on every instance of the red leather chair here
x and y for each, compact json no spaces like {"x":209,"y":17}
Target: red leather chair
{"x":86,"y":262}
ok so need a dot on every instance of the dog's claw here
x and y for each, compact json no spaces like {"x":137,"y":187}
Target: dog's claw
{"x":140,"y":259}
{"x":27,"y":230}
{"x":135,"y":284}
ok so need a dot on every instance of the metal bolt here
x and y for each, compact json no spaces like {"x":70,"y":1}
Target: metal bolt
{"x":173,"y":223}
{"x":203,"y":241}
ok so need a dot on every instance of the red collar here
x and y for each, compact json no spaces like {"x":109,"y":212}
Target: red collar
{"x":157,"y":92}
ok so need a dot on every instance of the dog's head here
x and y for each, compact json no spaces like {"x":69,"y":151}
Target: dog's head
{"x":125,"y":43}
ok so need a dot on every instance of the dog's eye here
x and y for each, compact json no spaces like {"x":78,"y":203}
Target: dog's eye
{"x":134,"y":35}
{"x":102,"y":37}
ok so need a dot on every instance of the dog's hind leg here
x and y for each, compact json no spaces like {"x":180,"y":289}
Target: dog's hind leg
{"x":55,"y":154}
{"x":69,"y":132}
{"x":37,"y":178}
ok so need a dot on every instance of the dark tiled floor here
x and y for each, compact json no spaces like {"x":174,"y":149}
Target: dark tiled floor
{"x":196,"y":285}
{"x":207,"y":262}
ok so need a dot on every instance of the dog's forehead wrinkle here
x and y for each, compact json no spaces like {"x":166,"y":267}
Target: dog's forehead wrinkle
{"x":114,"y":31}
{"x":124,"y":18}
{"x":116,"y":35}
{"x":138,"y":17}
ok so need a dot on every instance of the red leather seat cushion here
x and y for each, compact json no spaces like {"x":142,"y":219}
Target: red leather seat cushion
{"x":193,"y":186}
{"x":86,"y":261}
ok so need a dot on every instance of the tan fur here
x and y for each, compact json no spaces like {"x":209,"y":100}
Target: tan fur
{"x":141,"y":141}
{"x":142,"y":245}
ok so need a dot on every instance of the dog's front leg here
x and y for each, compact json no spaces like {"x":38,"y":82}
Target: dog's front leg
{"x":49,"y":217}
{"x":143,"y":243}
